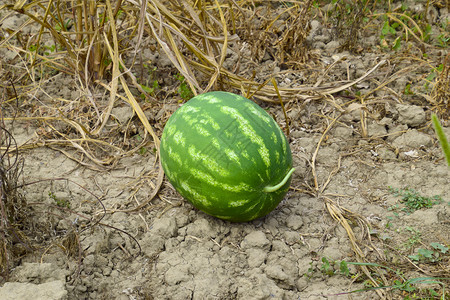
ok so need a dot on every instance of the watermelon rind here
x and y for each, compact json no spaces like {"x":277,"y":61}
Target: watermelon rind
{"x":227,"y":156}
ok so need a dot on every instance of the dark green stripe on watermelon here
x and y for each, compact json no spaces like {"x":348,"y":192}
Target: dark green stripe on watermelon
{"x":220,"y":150}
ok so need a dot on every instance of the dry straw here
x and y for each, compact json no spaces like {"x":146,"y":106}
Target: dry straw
{"x":100,"y":50}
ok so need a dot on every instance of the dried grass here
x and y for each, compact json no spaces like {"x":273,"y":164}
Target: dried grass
{"x":13,"y":210}
{"x":440,"y":94}
{"x":194,"y":37}
{"x":100,"y":51}
{"x":345,"y":217}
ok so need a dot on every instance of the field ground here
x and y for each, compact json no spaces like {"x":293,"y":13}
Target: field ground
{"x":369,"y":203}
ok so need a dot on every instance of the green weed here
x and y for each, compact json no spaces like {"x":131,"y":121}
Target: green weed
{"x":309,"y":273}
{"x":409,"y":287}
{"x":415,"y":238}
{"x":426,"y":255}
{"x":442,"y":138}
{"x":142,"y":151}
{"x":348,"y":18}
{"x":184,"y":90}
{"x":432,"y":75}
{"x":151,"y":88}
{"x":152,"y":84}
{"x":401,"y":26}
{"x":330,"y":267}
{"x":326,"y":267}
{"x":441,"y":248}
{"x":64,"y":26}
{"x":407,"y":90}
{"x":443,"y":40}
{"x":59,"y":202}
{"x":45,"y":50}
{"x":413,"y":200}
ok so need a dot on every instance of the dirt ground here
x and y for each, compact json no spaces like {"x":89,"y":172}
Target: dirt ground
{"x":89,"y":243}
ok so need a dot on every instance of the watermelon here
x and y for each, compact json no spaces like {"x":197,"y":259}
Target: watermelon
{"x":227,"y":156}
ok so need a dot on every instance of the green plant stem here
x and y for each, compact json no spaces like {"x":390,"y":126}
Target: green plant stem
{"x":442,"y":138}
{"x":269,"y":189}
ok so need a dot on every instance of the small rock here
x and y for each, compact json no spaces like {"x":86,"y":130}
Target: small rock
{"x":106,"y":271}
{"x":177,"y":274}
{"x":151,"y":244}
{"x":412,"y":139}
{"x":122,"y":114}
{"x":291,"y":237}
{"x":324,"y":38}
{"x":332,"y":46}
{"x":294,"y":222}
{"x":386,"y":154}
{"x":255,"y":239}
{"x":319,"y":45}
{"x":256,"y":257}
{"x":258,"y":286}
{"x":13,"y":23}
{"x":54,"y":290}
{"x":276,"y":272}
{"x":343,"y":132}
{"x":396,"y":131}
{"x":165,"y":227}
{"x":164,"y":61}
{"x":301,"y":284}
{"x":39,"y":273}
{"x":411,"y":115}
{"x":315,"y":25}
{"x":375,"y":129}
{"x":354,"y":110}
{"x":115,"y":274}
{"x":201,"y":228}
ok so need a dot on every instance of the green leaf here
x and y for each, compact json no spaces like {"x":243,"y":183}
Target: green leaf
{"x":415,"y":257}
{"x":442,"y":138}
{"x":146,"y":89}
{"x":142,"y":151}
{"x":407,"y":90}
{"x":344,"y":268}
{"x":425,"y":253}
{"x":397,"y":43}
{"x":431,"y":76}
{"x":433,"y":293}
{"x":386,"y":28}
{"x":392,"y":30}
{"x":440,"y":247}
{"x":326,"y":267}
{"x":408,"y":287}
{"x":394,"y":26}
{"x":427,"y":33}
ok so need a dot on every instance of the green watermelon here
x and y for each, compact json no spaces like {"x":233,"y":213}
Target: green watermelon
{"x":227,"y":156}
